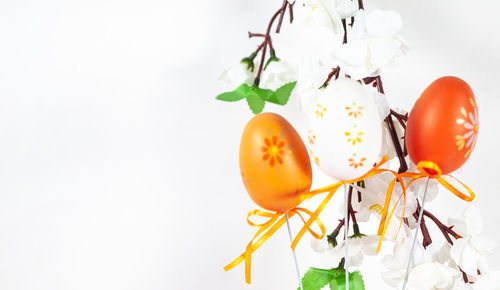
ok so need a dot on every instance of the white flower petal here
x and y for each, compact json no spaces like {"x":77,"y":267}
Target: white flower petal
{"x":346,"y":8}
{"x":353,"y":53}
{"x":369,"y":245}
{"x":431,"y":276}
{"x":418,"y":187}
{"x":459,"y":226}
{"x":358,"y":30}
{"x":483,"y":244}
{"x":465,"y":256}
{"x":320,"y":245}
{"x":383,"y":23}
{"x":490,"y":281}
{"x":383,"y":51}
{"x":474,"y":220}
{"x":356,"y":260}
{"x":236,"y":75}
{"x":394,"y":278}
{"x":383,"y":105}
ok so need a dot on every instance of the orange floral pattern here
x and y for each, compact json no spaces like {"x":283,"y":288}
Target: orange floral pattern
{"x":356,"y":164}
{"x":470,"y":121}
{"x":354,"y":110}
{"x":311,"y":137}
{"x":273,"y":151}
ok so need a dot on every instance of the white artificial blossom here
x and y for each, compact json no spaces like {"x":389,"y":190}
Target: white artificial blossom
{"x":308,"y":42}
{"x":372,"y":44}
{"x":358,"y":248}
{"x":469,"y":251}
{"x":308,"y":50}
{"x":276,"y":75}
{"x":428,"y":270}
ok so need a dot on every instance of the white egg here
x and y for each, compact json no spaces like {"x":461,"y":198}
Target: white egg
{"x":345,"y":136}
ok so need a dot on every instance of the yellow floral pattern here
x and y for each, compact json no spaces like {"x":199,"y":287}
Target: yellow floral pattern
{"x":320,"y":110}
{"x":354,"y":138}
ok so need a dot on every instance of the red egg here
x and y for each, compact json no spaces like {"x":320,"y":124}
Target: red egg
{"x":443,"y":125}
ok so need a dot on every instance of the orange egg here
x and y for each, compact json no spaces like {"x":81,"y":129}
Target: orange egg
{"x":443,"y":125}
{"x":274,"y":163}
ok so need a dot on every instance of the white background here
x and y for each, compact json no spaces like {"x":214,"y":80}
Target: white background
{"x":118,"y":169}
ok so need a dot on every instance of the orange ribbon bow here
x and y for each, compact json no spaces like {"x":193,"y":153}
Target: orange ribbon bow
{"x":426,"y":169}
{"x":274,"y":222}
{"x":277,"y":219}
{"x":332,"y":189}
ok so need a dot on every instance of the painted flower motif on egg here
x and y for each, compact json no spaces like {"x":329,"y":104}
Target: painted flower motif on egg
{"x":345,"y":138}
{"x":470,"y":122}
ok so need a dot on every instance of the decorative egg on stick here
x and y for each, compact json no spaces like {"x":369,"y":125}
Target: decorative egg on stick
{"x":346,"y":130}
{"x":276,"y":170}
{"x":441,"y":134}
{"x":274,"y":163}
{"x":443,"y":125}
{"x":346,"y":136}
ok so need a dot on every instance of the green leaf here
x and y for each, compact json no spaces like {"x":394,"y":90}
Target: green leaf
{"x":265,"y":94}
{"x":355,"y":280}
{"x":239,"y":93}
{"x":282,"y":94}
{"x":255,"y":101}
{"x":315,"y":279}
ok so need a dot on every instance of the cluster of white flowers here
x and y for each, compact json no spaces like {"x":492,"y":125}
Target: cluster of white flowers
{"x":440,"y":265}
{"x":313,"y":45}
{"x":308,"y":50}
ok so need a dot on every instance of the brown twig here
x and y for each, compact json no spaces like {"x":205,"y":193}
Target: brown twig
{"x":403,"y":167}
{"x":344,"y":24}
{"x":426,"y":241}
{"x":402,"y":119}
{"x":447,"y":231}
{"x":334,"y":73}
{"x":464,"y":275}
{"x":361,"y":5}
{"x":267,"y":42}
{"x":350,"y":209}
{"x":332,"y":238}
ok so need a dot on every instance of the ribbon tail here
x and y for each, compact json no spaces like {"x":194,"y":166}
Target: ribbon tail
{"x":315,"y":192}
{"x":252,"y":247}
{"x":387,"y":202}
{"x":404,"y":210}
{"x":314,"y":216}
{"x":455,"y":191}
{"x":318,"y":221}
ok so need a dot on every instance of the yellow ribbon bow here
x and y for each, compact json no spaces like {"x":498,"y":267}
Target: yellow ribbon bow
{"x":268,"y":228}
{"x":426,"y":169}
